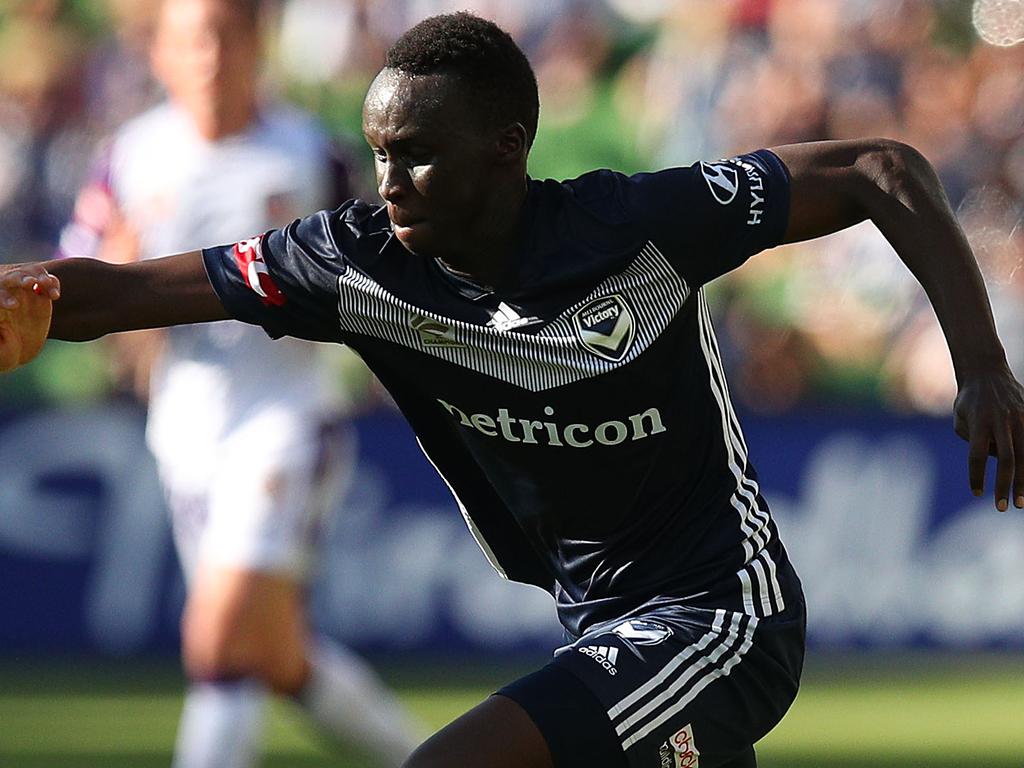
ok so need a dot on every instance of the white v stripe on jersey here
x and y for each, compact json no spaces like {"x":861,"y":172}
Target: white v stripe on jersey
{"x":553,"y":356}
{"x":732,"y":646}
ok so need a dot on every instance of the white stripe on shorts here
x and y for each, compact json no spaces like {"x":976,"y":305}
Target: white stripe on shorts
{"x":681,"y":657}
{"x":692,"y":679}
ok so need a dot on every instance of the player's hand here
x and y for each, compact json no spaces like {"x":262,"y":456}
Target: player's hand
{"x":27,"y":293}
{"x":989,"y":414}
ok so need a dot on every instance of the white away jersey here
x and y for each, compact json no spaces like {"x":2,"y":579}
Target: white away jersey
{"x":180,"y":192}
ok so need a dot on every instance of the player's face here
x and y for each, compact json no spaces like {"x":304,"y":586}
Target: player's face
{"x":207,"y":55}
{"x":435,"y":162}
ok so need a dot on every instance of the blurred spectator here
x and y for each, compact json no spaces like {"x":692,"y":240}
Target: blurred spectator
{"x":636,"y":84}
{"x":44,"y":144}
{"x":118,"y":84}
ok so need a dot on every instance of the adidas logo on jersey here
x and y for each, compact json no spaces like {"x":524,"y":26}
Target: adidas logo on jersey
{"x":506,"y":318}
{"x":605,"y":655}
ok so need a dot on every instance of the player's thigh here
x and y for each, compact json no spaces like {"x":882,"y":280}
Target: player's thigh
{"x":248,"y":606}
{"x":677,"y":687}
{"x":497,"y":733}
{"x":244,"y":622}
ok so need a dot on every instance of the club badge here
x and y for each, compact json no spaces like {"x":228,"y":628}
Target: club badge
{"x":606,"y":327}
{"x":643,"y":631}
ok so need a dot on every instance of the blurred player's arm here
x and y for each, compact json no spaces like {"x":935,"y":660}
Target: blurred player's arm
{"x":100,"y":229}
{"x":91,"y":298}
{"x":836,"y":184}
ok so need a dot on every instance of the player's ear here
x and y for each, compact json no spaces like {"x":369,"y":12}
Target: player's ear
{"x":512,"y":144}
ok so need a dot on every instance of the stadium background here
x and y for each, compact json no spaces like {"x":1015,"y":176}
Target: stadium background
{"x":916,"y":590}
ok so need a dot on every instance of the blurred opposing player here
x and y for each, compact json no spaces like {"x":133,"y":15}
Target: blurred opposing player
{"x":551,"y":346}
{"x":234,"y":420}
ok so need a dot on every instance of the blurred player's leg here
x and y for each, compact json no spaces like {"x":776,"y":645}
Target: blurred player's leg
{"x":242,"y":637}
{"x":345,"y":698}
{"x":243,"y":634}
{"x":246,"y":548}
{"x":221,"y":725}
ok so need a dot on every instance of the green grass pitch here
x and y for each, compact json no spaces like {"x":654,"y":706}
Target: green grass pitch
{"x":916,"y":713}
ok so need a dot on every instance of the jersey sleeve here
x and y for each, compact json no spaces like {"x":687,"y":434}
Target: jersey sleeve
{"x":711,"y":217}
{"x":285,"y":280}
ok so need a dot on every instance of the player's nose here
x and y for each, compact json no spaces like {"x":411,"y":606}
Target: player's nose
{"x":393,"y":183}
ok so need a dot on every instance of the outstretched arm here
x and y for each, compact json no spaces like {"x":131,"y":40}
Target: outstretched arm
{"x":96,"y":298}
{"x":836,"y":184}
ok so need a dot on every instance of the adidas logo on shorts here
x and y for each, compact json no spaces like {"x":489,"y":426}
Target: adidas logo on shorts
{"x":603,"y":654}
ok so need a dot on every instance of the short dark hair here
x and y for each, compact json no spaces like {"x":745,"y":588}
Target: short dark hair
{"x":482,"y":55}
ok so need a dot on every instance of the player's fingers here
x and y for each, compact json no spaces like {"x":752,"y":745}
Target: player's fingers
{"x":977,"y":456}
{"x":1004,"y":466}
{"x":47,"y":285}
{"x":10,"y":297}
{"x":10,"y":287}
{"x":33,"y":278}
{"x":1018,"y":471}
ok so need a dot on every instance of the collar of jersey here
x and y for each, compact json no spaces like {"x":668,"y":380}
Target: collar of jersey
{"x":523,"y":263}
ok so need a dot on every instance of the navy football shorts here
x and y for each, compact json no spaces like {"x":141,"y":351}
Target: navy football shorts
{"x":673,"y":687}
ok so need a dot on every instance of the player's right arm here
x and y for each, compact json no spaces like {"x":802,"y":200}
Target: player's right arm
{"x":90,"y":298}
{"x":840,"y":183}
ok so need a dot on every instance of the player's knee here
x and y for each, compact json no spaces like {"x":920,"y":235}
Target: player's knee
{"x":213,"y":650}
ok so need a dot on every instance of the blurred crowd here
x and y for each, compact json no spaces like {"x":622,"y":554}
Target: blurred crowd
{"x":633,"y":85}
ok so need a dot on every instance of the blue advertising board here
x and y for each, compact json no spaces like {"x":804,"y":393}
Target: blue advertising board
{"x":893,"y":549}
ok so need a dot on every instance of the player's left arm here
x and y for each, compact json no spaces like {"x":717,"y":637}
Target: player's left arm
{"x":836,"y":184}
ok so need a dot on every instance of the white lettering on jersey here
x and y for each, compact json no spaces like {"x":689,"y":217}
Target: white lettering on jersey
{"x":756,"y":212}
{"x":531,"y":432}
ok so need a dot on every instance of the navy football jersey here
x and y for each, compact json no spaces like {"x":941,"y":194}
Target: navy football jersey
{"x":582,"y":419}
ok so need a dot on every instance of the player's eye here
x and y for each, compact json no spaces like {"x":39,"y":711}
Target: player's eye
{"x":417,"y":156}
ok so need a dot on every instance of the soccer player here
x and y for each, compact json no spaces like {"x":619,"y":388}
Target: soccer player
{"x":551,"y":346}
{"x":234,"y":419}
